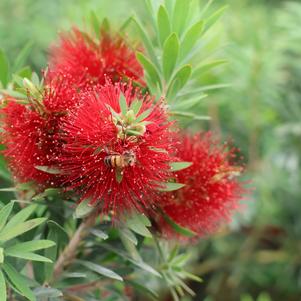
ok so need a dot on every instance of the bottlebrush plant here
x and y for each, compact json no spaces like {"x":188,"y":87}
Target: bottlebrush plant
{"x":114,"y":186}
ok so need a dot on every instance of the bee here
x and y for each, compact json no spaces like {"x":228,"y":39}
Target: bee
{"x":120,"y":161}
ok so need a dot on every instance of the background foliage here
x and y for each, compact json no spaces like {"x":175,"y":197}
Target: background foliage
{"x":258,"y":258}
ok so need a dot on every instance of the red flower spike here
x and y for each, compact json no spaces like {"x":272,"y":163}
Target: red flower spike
{"x":31,"y":133}
{"x":90,"y":62}
{"x":118,"y":149}
{"x":212,"y":192}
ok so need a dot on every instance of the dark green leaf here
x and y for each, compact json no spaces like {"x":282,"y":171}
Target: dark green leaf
{"x":191,"y":38}
{"x":18,"y":281}
{"x":118,"y":171}
{"x":2,"y":287}
{"x":175,"y":166}
{"x":100,"y":270}
{"x":4,"y":69}
{"x":170,"y":55}
{"x":21,"y":228}
{"x":4,"y":214}
{"x":163,"y":24}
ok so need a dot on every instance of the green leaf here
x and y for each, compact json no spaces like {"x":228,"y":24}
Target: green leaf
{"x":21,"y":228}
{"x":128,"y":234}
{"x":118,"y":171}
{"x":27,"y":255}
{"x":204,"y":67}
{"x":171,"y":186}
{"x":49,"y":169}
{"x":146,"y":42}
{"x":95,"y":23}
{"x":179,"y":80}
{"x":2,"y":287}
{"x":143,"y":289}
{"x":179,"y":229}
{"x":25,"y":72}
{"x":180,"y":14}
{"x":31,"y":246}
{"x":123,"y":104}
{"x":21,"y":216}
{"x":47,"y":292}
{"x":18,"y":281}
{"x":4,"y":214}
{"x":150,"y":69}
{"x":136,"y":106}
{"x":22,"y":56}
{"x":170,"y":55}
{"x":83,"y":209}
{"x":4,"y":69}
{"x":163,"y":24}
{"x":139,"y":223}
{"x":189,"y":115}
{"x":187,"y":104}
{"x":191,"y":38}
{"x":209,"y":22}
{"x":176,"y":166}
{"x":1,"y":255}
{"x":100,"y":270}
{"x":99,"y":233}
{"x":143,"y":115}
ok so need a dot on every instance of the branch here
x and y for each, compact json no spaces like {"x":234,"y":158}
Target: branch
{"x":69,"y":253}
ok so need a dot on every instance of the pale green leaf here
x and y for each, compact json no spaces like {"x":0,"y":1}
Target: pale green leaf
{"x":27,"y":256}
{"x":21,"y":228}
{"x":136,"y":106}
{"x":2,"y":287}
{"x":95,"y":23}
{"x":99,"y":233}
{"x":163,"y":24}
{"x":206,"y":66}
{"x":171,"y":186}
{"x":100,"y":270}
{"x":209,"y":22}
{"x":18,"y":281}
{"x":22,"y":57}
{"x":83,"y":209}
{"x":180,"y":14}
{"x":170,"y":55}
{"x":47,"y":292}
{"x":4,"y":214}
{"x":176,"y":166}
{"x":143,"y":115}
{"x":187,"y":103}
{"x":123,"y":104}
{"x":139,"y":223}
{"x":1,"y":255}
{"x":21,"y":216}
{"x":49,"y":169}
{"x":128,"y":234}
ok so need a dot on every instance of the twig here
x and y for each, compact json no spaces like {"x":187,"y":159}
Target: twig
{"x":69,"y":253}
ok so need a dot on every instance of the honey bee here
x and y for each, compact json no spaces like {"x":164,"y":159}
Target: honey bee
{"x":120,"y":161}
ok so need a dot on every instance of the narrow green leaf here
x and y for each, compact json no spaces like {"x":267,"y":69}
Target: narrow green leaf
{"x":18,"y":281}
{"x":143,"y":115}
{"x":95,"y":23}
{"x":179,"y":229}
{"x":20,"y":228}
{"x":49,"y":169}
{"x":31,"y":246}
{"x":170,"y":55}
{"x":4,"y":214}
{"x":47,"y":292}
{"x":150,"y":69}
{"x":2,"y":287}
{"x":4,"y":69}
{"x":83,"y":209}
{"x":99,"y":233}
{"x":27,"y":256}
{"x":187,"y":104}
{"x":191,"y":38}
{"x":179,"y":80}
{"x":146,"y":42}
{"x":176,"y":166}
{"x":189,"y":115}
{"x":163,"y":24}
{"x":143,"y":289}
{"x":22,"y":56}
{"x":169,"y":5}
{"x":123,"y":104}
{"x":1,"y":255}
{"x":171,"y":186}
{"x":192,"y":277}
{"x":21,"y":216}
{"x":128,"y":234}
{"x":204,"y":67}
{"x":100,"y":270}
{"x":209,"y":22}
{"x":180,"y":14}
{"x":136,"y":106}
{"x":139,"y":223}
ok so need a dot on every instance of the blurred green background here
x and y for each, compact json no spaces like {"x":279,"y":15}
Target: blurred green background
{"x":259,"y":256}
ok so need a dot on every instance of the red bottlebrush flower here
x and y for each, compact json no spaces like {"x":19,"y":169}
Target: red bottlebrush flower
{"x":91,"y":61}
{"x":31,"y":132}
{"x":118,"y":149}
{"x":211,"y":192}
